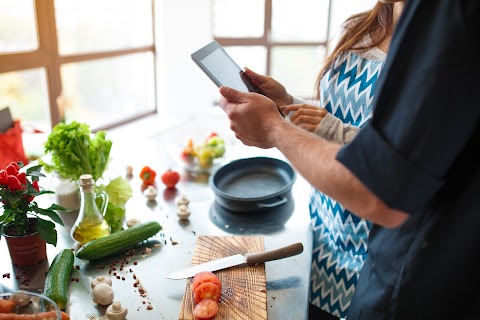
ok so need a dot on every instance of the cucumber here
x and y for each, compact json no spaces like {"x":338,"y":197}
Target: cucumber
{"x":118,"y":241}
{"x":58,"y":278}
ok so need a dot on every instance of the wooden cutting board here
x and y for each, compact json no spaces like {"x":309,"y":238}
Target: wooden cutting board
{"x":244,"y":291}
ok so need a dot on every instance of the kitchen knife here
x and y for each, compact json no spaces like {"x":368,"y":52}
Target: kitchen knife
{"x":238,"y":260}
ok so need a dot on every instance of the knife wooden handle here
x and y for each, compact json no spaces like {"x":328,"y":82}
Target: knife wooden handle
{"x":288,"y":251}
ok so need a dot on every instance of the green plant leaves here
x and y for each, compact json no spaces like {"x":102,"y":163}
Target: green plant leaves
{"x":46,"y":230}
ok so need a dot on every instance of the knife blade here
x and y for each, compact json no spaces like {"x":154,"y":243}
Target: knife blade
{"x":238,"y":260}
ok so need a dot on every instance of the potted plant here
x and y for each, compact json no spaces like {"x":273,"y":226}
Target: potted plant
{"x":21,"y":222}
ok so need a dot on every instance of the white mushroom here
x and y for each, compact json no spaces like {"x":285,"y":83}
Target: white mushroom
{"x":103,"y":294}
{"x":183,"y":212}
{"x":150,"y":193}
{"x":21,"y":298}
{"x":132,"y":222}
{"x":182,"y":199}
{"x":116,"y":311}
{"x":100,"y":279}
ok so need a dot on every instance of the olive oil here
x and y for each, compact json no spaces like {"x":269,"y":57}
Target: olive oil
{"x":87,"y":233}
{"x":90,"y":223}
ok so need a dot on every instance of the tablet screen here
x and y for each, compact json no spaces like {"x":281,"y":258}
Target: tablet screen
{"x":224,"y":69}
{"x":220,"y":67}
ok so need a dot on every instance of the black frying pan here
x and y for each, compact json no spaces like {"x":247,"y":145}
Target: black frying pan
{"x":253,"y":184}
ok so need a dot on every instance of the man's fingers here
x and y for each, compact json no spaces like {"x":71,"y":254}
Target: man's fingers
{"x":227,"y":105}
{"x":232,"y":95}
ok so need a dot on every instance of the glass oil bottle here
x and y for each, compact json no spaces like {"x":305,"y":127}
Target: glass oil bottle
{"x":90,"y":223}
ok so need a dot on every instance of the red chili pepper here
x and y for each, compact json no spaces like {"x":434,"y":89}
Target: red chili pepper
{"x":35,"y":185}
{"x":12,"y":169}
{"x":22,"y":177}
{"x":148,"y":175}
{"x":3,"y":177}
{"x":15,"y":165}
{"x":14,"y":184}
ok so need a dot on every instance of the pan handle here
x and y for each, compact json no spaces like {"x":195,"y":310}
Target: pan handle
{"x":273,"y":204}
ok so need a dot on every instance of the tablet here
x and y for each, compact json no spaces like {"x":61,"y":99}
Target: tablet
{"x":222,"y":69}
{"x":6,"y":120}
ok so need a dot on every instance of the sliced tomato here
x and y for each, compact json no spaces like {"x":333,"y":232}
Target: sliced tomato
{"x":205,"y":276}
{"x":205,"y":309}
{"x":207,"y":290}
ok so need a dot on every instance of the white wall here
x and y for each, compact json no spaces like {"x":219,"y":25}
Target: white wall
{"x":182,"y":27}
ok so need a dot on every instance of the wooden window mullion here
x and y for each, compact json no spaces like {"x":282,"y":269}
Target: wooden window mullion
{"x":268,"y":33}
{"x":47,"y":36}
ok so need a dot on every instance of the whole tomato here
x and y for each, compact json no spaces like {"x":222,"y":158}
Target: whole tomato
{"x":170,"y":178}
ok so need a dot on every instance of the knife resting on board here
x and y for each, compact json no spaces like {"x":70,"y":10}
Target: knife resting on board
{"x":238,"y":260}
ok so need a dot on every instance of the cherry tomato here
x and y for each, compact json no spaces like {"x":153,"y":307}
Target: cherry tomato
{"x":207,"y":290}
{"x":205,"y":309}
{"x":205,"y":276}
{"x":170,"y":178}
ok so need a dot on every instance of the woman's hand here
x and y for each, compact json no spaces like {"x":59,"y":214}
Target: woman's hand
{"x":271,"y":88}
{"x":305,"y":116}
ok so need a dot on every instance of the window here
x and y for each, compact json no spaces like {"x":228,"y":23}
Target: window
{"x":281,"y":38}
{"x":68,"y":60}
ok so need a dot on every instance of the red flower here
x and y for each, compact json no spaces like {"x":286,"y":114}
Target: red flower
{"x":13,"y":183}
{"x":3,"y":177}
{"x":12,"y":169}
{"x":22,"y":177}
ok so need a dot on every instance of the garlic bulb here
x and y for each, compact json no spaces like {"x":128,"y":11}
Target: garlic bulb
{"x":100,"y":279}
{"x":116,"y":311}
{"x":103,"y":294}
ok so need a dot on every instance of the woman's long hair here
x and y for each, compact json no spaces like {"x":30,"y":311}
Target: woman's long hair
{"x":377,"y":22}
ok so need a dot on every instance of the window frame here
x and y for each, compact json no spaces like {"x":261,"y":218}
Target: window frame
{"x":47,"y":56}
{"x":266,"y":41}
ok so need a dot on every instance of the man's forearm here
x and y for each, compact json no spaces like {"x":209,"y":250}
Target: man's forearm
{"x":315,"y":159}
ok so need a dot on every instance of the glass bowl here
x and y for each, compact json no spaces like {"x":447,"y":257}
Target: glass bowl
{"x":32,"y":303}
{"x":192,"y":164}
